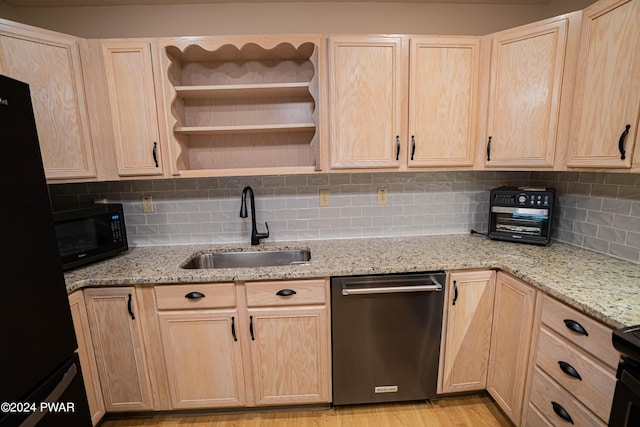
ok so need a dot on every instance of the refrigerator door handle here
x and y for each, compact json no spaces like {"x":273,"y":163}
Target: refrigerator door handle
{"x":54,"y":396}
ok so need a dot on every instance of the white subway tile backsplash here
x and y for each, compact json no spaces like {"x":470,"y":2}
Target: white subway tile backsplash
{"x":599,"y":211}
{"x":612,"y":204}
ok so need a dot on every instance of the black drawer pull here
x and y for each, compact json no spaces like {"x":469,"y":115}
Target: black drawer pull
{"x":455,"y":292}
{"x":413,"y":146}
{"x":233,"y":328}
{"x":285,"y":292}
{"x":253,"y":338}
{"x":561,"y":412}
{"x":621,"y":142}
{"x":576,"y":327}
{"x":569,"y":370}
{"x":130,"y":307}
{"x":155,"y":153}
{"x":194,"y":295}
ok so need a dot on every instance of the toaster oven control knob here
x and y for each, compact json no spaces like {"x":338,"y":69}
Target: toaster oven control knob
{"x":522,"y":199}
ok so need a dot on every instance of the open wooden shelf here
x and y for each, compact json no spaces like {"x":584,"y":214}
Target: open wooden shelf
{"x":298,"y":89}
{"x":270,"y":128}
{"x":235,"y":105}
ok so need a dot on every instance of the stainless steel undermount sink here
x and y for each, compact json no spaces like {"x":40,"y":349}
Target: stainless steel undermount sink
{"x":249,"y":259}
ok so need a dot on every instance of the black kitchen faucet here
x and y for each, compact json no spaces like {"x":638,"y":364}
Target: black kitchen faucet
{"x":255,"y":236}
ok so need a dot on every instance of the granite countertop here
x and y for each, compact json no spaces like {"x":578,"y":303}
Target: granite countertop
{"x":605,"y":288}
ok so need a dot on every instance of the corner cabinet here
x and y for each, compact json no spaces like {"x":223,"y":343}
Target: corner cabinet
{"x":135,"y":113}
{"x":243,"y":105}
{"x":50,"y":63}
{"x":87,"y":358}
{"x":511,"y":336}
{"x":114,"y":321}
{"x":466,"y":337}
{"x":378,"y":84}
{"x":527,"y":71}
{"x":606,"y":106}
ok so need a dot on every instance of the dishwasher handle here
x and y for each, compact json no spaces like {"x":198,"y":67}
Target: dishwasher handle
{"x":435,"y":287}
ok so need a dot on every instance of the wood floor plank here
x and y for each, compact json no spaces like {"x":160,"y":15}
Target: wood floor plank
{"x":461,"y":411}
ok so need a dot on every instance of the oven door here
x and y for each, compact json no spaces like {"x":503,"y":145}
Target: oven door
{"x":625,"y":410}
{"x":528,"y":225}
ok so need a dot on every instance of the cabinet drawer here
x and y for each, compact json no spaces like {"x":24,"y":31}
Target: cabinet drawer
{"x":545,"y":392}
{"x":184,"y":297}
{"x":535,"y":418}
{"x":596,"y":386}
{"x":559,"y":318}
{"x":260,"y":294}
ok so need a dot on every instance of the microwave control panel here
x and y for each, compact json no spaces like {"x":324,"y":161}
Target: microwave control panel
{"x":507,"y":196}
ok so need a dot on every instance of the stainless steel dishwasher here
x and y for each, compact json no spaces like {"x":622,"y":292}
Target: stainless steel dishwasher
{"x":386,"y":337}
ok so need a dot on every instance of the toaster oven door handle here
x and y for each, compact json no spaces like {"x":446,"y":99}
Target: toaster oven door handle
{"x":524,"y":211}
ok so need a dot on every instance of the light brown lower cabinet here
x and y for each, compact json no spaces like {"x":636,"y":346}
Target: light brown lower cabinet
{"x":199,"y":331}
{"x":86,"y":355}
{"x":114,"y":321}
{"x":574,"y":371}
{"x":289,"y":337}
{"x":464,"y":354}
{"x":511,"y":335}
{"x":245,"y":344}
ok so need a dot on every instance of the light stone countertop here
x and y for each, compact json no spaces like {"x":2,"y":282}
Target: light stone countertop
{"x":605,"y":288}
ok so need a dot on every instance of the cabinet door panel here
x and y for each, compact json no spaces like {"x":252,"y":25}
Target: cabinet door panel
{"x":511,"y":344}
{"x":526,"y":75}
{"x":608,"y":85}
{"x":51,"y":67}
{"x":468,"y":331}
{"x":366,"y":98}
{"x":87,"y":357}
{"x":117,"y":342}
{"x":290,"y":355}
{"x":134,"y":110}
{"x":442,"y":101}
{"x":203,"y":359}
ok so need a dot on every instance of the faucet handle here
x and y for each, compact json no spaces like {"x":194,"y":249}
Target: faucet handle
{"x":263,"y":235}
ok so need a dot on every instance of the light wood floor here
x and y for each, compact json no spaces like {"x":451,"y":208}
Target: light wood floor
{"x":471,"y":411}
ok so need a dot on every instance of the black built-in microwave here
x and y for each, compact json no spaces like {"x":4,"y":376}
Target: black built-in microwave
{"x":90,"y":234}
{"x":521,"y":214}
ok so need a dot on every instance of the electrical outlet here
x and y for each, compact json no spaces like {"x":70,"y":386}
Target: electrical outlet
{"x":324,"y":197}
{"x":147,"y":204}
{"x":382,"y":196}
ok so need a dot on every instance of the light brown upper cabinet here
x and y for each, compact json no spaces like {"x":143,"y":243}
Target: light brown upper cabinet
{"x":50,"y":63}
{"x":527,"y":69}
{"x":243,"y":105}
{"x":367,"y":89}
{"x":129,"y":69}
{"x":607,"y":99}
{"x":400,"y":102}
{"x":443,"y":97}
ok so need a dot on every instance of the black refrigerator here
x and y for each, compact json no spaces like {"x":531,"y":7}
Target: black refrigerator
{"x":40,"y":378}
